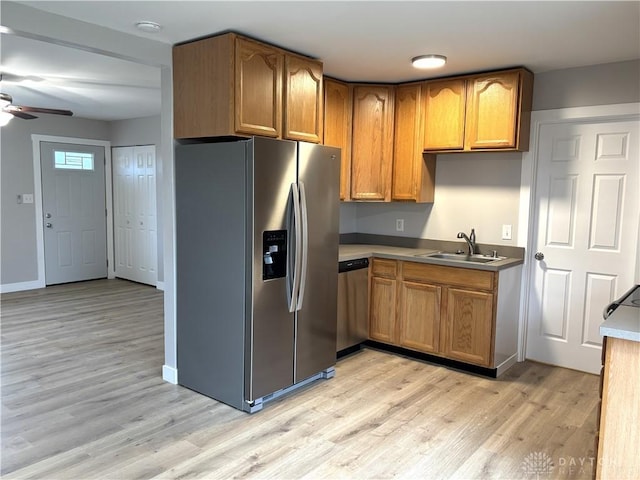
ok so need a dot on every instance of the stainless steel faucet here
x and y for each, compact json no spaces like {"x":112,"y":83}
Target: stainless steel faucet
{"x":471,"y":240}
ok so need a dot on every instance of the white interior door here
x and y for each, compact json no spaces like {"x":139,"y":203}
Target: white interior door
{"x":74,"y":211}
{"x":135,"y":218}
{"x":587,"y":214}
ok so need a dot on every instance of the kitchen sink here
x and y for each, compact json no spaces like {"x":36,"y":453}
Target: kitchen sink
{"x":461,"y":257}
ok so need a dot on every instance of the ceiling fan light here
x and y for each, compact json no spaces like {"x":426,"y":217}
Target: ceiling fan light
{"x":5,"y":100}
{"x":429,"y":61}
{"x":148,"y":27}
{"x":5,"y":117}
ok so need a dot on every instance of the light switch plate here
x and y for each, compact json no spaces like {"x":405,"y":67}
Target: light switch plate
{"x":506,"y":232}
{"x":27,"y":197}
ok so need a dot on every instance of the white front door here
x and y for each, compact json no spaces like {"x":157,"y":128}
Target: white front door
{"x":74,"y":211}
{"x":136,"y":252}
{"x":587,"y":213}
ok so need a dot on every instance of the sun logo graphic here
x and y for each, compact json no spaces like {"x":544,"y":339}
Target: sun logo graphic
{"x":537,"y":464}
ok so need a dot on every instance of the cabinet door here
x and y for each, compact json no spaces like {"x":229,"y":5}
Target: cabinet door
{"x":258,"y":89}
{"x":372,"y":145}
{"x":444,"y":115}
{"x":469,"y":326}
{"x":382,"y":316}
{"x":419,"y":316}
{"x":413,"y":174}
{"x":338,"y":102}
{"x":303,"y":99}
{"x":492,"y":111}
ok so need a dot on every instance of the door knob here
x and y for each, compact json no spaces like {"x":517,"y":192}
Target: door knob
{"x":48,"y":225}
{"x":47,"y":215}
{"x":539,"y":256}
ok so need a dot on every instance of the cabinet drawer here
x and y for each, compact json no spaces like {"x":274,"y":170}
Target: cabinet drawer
{"x":461,"y":277}
{"x":384,"y":268}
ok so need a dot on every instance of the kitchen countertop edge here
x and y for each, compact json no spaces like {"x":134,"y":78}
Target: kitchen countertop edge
{"x":623,"y":323}
{"x":354,"y":251}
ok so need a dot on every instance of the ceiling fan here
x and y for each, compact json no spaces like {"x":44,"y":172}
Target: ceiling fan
{"x":24,"y":112}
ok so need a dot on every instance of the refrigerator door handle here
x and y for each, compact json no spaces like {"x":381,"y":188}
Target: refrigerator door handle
{"x":293,"y":248}
{"x":305,"y":244}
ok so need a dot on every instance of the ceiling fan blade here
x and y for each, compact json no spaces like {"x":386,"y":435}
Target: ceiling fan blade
{"x":52,"y":111}
{"x":19,"y":114}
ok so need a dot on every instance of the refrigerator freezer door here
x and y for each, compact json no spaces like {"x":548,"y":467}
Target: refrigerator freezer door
{"x":272,"y":170}
{"x":319,"y":175}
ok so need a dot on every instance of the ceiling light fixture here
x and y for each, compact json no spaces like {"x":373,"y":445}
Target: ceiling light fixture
{"x":429,"y":61}
{"x":148,"y":27}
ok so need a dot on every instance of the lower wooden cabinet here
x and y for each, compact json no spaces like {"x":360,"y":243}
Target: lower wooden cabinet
{"x":435,"y":309}
{"x":619,"y":435}
{"x":382,"y":311}
{"x":420,"y":316}
{"x":469,"y":326}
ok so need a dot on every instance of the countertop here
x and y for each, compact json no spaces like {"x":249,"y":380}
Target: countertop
{"x":353,"y":251}
{"x":623,"y":323}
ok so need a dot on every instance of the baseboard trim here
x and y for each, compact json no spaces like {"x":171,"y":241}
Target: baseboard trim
{"x":160,"y":286}
{"x":170,"y":374}
{"x":20,"y":286}
{"x":446,"y":362}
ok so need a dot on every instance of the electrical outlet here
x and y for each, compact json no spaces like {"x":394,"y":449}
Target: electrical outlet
{"x":399,"y":224}
{"x":27,"y":197}
{"x":506,"y":232}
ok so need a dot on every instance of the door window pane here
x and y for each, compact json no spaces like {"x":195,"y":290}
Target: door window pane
{"x":73,"y":160}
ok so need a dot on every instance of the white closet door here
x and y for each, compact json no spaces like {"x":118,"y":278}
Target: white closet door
{"x":135,"y":216}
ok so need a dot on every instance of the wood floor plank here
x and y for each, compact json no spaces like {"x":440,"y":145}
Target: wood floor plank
{"x":83,"y":398}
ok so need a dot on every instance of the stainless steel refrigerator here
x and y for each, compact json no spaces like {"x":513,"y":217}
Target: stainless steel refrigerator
{"x":256,"y":267}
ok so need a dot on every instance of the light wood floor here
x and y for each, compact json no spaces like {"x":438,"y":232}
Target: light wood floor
{"x":83,"y":398}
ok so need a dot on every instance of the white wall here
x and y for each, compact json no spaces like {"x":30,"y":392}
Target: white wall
{"x":18,"y":252}
{"x":473,"y":190}
{"x":135,"y":131}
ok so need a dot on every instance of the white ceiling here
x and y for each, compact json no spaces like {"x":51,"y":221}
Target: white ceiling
{"x":357,"y":41}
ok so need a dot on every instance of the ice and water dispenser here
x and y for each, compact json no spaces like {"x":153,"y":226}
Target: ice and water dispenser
{"x":274,"y":258}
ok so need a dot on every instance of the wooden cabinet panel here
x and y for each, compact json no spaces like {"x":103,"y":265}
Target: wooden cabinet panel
{"x":381,"y":267}
{"x":258,"y":98}
{"x":372,"y":142}
{"x":444,"y":114}
{"x":303,"y":109}
{"x":619,"y":436}
{"x":413,"y":176}
{"x":382,"y":317}
{"x":462,"y":277}
{"x":468,"y":334}
{"x":492,"y":106}
{"x":419,"y":316}
{"x":202,"y":73}
{"x":338,"y":102}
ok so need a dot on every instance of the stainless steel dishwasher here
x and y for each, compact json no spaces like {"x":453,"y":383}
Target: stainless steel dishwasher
{"x":353,"y":324}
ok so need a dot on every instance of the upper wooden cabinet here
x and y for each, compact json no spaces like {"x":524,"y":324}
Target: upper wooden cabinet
{"x":479,"y":112}
{"x":372,"y":142}
{"x":413,"y":176}
{"x":338,"y":108}
{"x":444,"y":114}
{"x":231,"y":85}
{"x":303,"y":112}
{"x":257,"y":89}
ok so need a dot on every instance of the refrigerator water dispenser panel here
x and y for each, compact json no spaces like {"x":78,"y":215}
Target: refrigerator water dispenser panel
{"x":274,"y":258}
